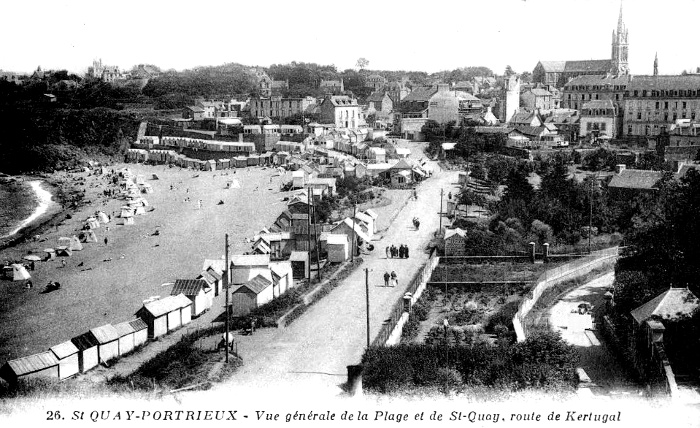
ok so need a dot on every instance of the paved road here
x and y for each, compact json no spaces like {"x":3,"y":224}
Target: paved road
{"x":315,"y":350}
{"x":608,"y":376}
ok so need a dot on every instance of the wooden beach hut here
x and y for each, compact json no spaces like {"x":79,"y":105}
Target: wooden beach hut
{"x":41,"y":365}
{"x":87,"y":351}
{"x":241,"y":162}
{"x":140,"y":331}
{"x":67,"y":355}
{"x":250,"y":295}
{"x":338,"y":246}
{"x":126,"y":337}
{"x":198,"y":291}
{"x":108,"y":342}
{"x":165,"y":315}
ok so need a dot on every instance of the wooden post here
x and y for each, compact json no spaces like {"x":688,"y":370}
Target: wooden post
{"x":352,"y":223}
{"x":226,"y":281}
{"x":367,"y":301}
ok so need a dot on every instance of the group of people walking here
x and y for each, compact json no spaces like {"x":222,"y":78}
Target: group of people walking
{"x":400,"y":252}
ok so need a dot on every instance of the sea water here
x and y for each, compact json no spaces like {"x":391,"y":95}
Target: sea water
{"x":21,"y":203}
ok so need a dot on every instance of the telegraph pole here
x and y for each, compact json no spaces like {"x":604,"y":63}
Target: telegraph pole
{"x":316,"y":239}
{"x":308,"y":229}
{"x":352,"y":222}
{"x":226,"y":280}
{"x":440,"y":213}
{"x":367,"y":301}
{"x":590,"y":211}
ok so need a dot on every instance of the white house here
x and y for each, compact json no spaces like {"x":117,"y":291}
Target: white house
{"x":198,"y":291}
{"x":246,"y":267}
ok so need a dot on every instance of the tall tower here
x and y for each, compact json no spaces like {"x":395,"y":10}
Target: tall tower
{"x":620,"y":47}
{"x":510,"y":98}
{"x":656,"y":64}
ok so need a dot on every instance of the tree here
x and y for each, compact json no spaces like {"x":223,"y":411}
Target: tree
{"x":509,"y":71}
{"x":362,"y":63}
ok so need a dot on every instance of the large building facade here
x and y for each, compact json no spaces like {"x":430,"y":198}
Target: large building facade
{"x":653,"y":103}
{"x":279,"y":107}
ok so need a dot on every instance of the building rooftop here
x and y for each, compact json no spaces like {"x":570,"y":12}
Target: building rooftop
{"x":673,"y":303}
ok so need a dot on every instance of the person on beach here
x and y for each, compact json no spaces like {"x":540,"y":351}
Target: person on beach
{"x":388,"y":252}
{"x":405,"y":251}
{"x":63,"y":263}
{"x":106,"y":240}
{"x":394,"y":279}
{"x":29,"y":284}
{"x":386,"y":279}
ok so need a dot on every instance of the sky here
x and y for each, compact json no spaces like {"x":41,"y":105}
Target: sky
{"x":392,"y":35}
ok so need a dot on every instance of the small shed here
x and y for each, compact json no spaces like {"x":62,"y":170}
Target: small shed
{"x":250,"y":295}
{"x":300,"y":264}
{"x":140,"y":331}
{"x":87,"y":351}
{"x":102,"y":217}
{"x":338,"y":247}
{"x":298,"y":179}
{"x":198,"y":291}
{"x":213,"y":279}
{"x":108,"y":339}
{"x":126,"y":337}
{"x":241,"y":161}
{"x":43,"y":364}
{"x":67,"y":355}
{"x":164,"y":315}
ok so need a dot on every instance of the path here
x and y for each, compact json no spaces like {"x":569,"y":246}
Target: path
{"x":315,"y":350}
{"x":608,"y":376}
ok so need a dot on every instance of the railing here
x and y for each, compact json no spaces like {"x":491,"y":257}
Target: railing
{"x":421,"y":277}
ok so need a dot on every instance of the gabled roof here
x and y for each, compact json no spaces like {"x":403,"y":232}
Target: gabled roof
{"x":636,"y":179}
{"x":540,"y":92}
{"x":63,"y":350}
{"x":258,"y":284}
{"x":452,"y":232}
{"x":105,"y":334}
{"x":553,"y":66}
{"x":372,"y":213}
{"x":195,"y":109}
{"x":32,"y":363}
{"x":376,"y":96}
{"x":671,"y":304}
{"x":401,"y":164}
{"x":598,"y":104}
{"x":421,"y":93}
{"x":188,"y":287}
{"x":299,"y":256}
{"x":532,"y":131}
{"x":219,"y":265}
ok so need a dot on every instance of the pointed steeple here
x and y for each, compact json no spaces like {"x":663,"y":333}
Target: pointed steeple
{"x":620,"y":23}
{"x":656,"y":64}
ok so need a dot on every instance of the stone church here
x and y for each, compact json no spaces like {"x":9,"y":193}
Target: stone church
{"x":558,"y":73}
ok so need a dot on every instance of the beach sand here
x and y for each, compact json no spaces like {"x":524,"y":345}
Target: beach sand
{"x":96,"y":292}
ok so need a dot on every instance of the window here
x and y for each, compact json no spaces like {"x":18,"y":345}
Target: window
{"x":603,"y":126}
{"x":589,"y":126}
{"x":692,"y":115}
{"x":684,"y":104}
{"x":596,"y":96}
{"x":657,"y":104}
{"x":666,"y":105}
{"x":629,"y":129}
{"x":639,"y":115}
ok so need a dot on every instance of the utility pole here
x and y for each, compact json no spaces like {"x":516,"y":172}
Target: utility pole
{"x":226,"y":281}
{"x":316,"y":239}
{"x":440,"y":213}
{"x":590,"y":211}
{"x":352,"y":222}
{"x":308,"y":229}
{"x":367,"y":301}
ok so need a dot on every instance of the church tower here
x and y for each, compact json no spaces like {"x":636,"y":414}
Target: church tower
{"x":620,"y":47}
{"x":656,"y":64}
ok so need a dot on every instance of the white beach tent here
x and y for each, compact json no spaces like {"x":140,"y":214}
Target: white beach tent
{"x":64,"y":241}
{"x":75,"y":244}
{"x":146,"y":188}
{"x":93,"y":223}
{"x":128,"y":220}
{"x":102,"y":217}
{"x":19,"y":272}
{"x":88,"y":236}
{"x":126,"y":212}
{"x":140,"y":210}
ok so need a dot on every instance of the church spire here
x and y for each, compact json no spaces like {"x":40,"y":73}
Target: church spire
{"x":620,"y":47}
{"x":656,"y":64}
{"x":620,"y":23}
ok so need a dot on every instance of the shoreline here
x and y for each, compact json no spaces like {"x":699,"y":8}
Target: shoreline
{"x":54,"y":213}
{"x":45,"y":199}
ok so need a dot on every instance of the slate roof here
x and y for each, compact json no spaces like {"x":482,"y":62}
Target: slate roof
{"x":188,"y":287}
{"x":636,"y":179}
{"x":451,"y":232}
{"x":342,"y":101}
{"x":685,"y":168}
{"x":376,"y":96}
{"x":671,"y":304}
{"x":553,"y":66}
{"x":590,"y":66}
{"x":165,"y":305}
{"x":421,"y":93}
{"x":598,"y":104}
{"x":32,"y":363}
{"x":607,"y":80}
{"x":540,"y":92}
{"x":691,"y":81}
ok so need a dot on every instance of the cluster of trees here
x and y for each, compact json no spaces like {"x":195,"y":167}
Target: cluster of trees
{"x":469,"y":142}
{"x":542,"y":362}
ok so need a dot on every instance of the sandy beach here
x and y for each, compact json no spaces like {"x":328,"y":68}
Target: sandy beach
{"x":45,"y":199}
{"x":108,"y":283}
